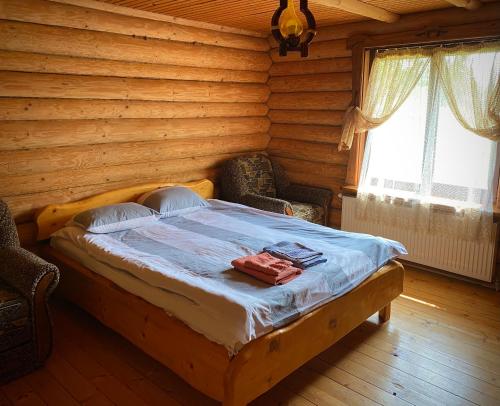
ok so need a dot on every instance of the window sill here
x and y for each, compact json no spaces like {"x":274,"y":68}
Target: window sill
{"x":352,"y":191}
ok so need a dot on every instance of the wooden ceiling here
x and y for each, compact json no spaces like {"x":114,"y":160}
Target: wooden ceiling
{"x":255,"y":15}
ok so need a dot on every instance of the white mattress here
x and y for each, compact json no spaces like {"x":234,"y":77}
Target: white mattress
{"x":182,"y":264}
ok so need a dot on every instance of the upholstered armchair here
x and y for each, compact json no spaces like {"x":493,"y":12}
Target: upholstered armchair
{"x":260,"y":182}
{"x":26,"y":281}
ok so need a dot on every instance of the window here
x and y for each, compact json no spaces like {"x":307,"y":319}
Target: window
{"x":422,"y":152}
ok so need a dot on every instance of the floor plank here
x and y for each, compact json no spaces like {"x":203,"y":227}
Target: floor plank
{"x":441,"y":346}
{"x":44,"y":384}
{"x":19,"y":392}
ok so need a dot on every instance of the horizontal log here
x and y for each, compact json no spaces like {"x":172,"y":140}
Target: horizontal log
{"x":302,"y":177}
{"x":311,"y":67}
{"x":317,"y":50}
{"x":27,"y":37}
{"x":110,"y":163}
{"x":74,"y":109}
{"x":20,"y":84}
{"x":486,"y":29}
{"x":307,"y":151}
{"x":361,"y":9}
{"x":32,"y":162}
{"x":321,"y":82}
{"x":321,"y":117}
{"x":23,"y":207}
{"x":49,"y":13}
{"x":311,"y":133}
{"x":413,"y":21}
{"x":31,"y":62}
{"x":314,"y":173}
{"x":310,"y":101}
{"x":15,"y":135}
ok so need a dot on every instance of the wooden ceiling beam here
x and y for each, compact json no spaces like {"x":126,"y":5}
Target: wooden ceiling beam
{"x":363,"y":9}
{"x":468,"y":4}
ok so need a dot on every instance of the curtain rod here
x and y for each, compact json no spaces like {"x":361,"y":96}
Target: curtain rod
{"x":450,"y":43}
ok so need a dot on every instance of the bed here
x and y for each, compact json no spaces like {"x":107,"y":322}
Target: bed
{"x":234,"y":343}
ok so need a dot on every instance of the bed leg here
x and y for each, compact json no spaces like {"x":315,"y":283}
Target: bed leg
{"x":384,"y":314}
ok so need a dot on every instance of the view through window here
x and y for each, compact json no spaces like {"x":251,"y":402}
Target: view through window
{"x":423,"y":152}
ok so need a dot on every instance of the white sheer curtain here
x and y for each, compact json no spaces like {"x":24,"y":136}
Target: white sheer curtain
{"x":469,"y":75}
{"x":393,"y":76}
{"x":425,"y":168}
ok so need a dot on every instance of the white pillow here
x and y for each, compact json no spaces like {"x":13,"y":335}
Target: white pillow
{"x":172,"y":201}
{"x":115,"y":217}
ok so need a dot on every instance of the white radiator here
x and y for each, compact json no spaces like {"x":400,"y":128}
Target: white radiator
{"x":467,"y":258}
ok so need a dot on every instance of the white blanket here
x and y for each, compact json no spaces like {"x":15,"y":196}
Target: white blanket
{"x":187,"y":259}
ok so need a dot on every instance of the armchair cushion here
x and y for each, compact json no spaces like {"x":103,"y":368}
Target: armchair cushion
{"x":255,"y":175}
{"x":15,"y":328}
{"x":258,"y":173}
{"x":307,"y":211}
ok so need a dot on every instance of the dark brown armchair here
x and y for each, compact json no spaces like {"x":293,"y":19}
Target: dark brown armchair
{"x":26,"y":281}
{"x":260,"y":182}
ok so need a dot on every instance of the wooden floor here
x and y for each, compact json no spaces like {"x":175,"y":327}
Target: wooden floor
{"x":442,"y":346}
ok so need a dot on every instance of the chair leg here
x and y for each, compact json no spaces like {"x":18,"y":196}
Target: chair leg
{"x":384,"y":314}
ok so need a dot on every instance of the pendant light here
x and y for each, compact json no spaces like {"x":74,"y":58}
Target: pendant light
{"x":287,"y":28}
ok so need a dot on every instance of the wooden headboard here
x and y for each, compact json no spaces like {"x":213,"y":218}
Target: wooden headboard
{"x":54,"y":216}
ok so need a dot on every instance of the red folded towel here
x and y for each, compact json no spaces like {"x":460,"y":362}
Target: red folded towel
{"x":265,"y":262}
{"x":284,"y":276}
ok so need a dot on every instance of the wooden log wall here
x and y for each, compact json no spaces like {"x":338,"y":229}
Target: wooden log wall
{"x":309,"y":96}
{"x":92,"y":101}
{"x":307,"y":103}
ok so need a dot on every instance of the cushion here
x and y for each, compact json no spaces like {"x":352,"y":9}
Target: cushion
{"x":307,"y":211}
{"x":115,"y":217}
{"x":257,"y":173}
{"x":172,"y":201}
{"x":15,"y":325}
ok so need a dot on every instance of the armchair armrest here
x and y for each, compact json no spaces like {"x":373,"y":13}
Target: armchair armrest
{"x":24,"y":270}
{"x":35,"y":279}
{"x":267,"y":203}
{"x":308,"y":194}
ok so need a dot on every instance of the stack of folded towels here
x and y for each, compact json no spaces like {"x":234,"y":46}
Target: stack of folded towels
{"x":267,"y":268}
{"x":301,"y":256}
{"x":279,"y":263}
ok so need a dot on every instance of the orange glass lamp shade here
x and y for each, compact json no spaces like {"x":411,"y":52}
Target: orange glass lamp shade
{"x":289,"y":22}
{"x":287,"y":28}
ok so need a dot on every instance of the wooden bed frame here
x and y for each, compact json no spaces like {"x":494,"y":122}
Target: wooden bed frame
{"x":207,"y":366}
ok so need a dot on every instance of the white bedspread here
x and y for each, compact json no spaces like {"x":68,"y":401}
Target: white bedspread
{"x":182,"y":264}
